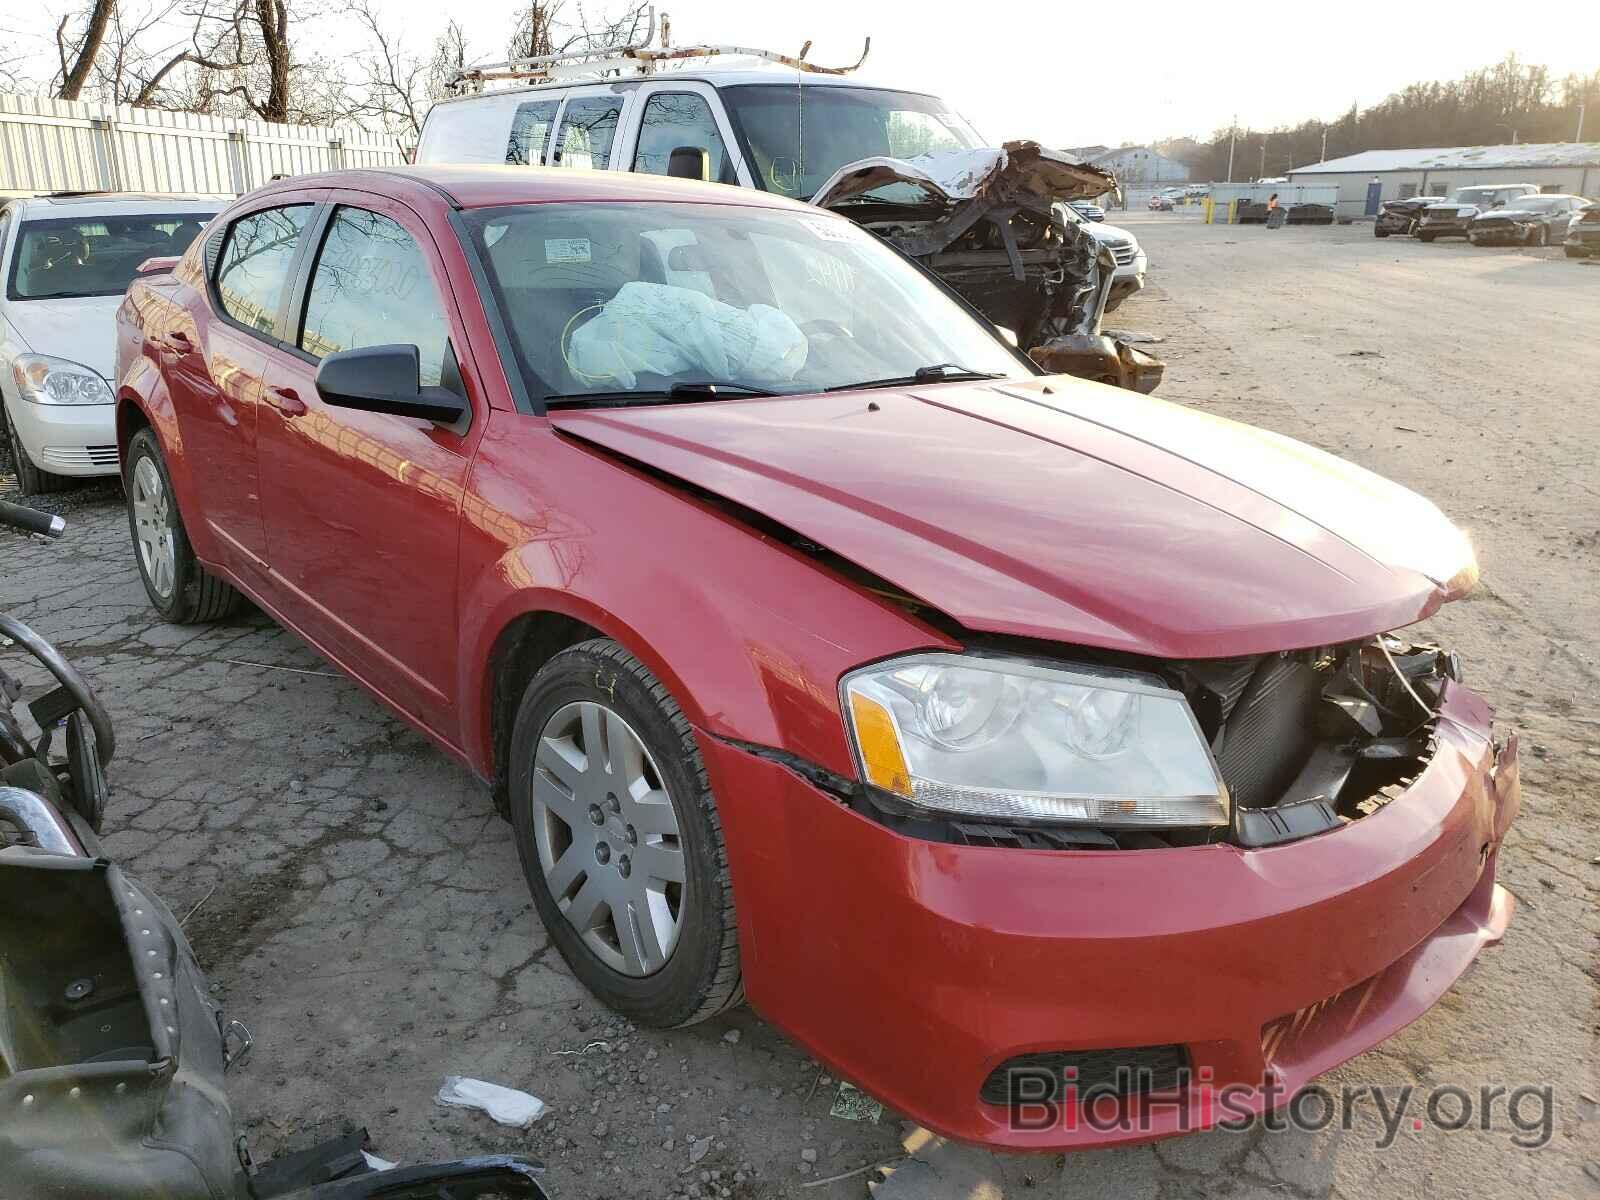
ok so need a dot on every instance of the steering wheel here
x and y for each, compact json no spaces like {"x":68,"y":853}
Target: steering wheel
{"x":77,"y":689}
{"x":826,"y":327}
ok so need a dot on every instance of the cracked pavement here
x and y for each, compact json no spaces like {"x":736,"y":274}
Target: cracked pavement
{"x":357,"y":903}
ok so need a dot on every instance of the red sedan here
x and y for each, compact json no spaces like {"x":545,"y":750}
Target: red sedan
{"x":1035,"y":753}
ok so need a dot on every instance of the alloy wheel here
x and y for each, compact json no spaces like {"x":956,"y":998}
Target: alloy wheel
{"x":607,"y":838}
{"x":157,"y":551}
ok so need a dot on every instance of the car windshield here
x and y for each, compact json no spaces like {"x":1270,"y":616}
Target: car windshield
{"x":94,"y":255}
{"x":627,"y":300}
{"x":796,"y":137}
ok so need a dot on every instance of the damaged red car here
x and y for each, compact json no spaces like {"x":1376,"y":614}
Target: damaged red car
{"x":1038,"y":754}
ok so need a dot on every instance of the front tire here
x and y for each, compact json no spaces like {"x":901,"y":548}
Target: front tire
{"x":1425,"y":237}
{"x":620,"y":838}
{"x":179,"y":586}
{"x":31,"y":481}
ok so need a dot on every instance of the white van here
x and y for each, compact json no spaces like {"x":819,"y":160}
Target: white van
{"x":735,"y":126}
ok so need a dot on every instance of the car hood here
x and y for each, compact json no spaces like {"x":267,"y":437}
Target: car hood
{"x":1069,"y":511}
{"x":1511,"y":214}
{"x":957,"y":175}
{"x":1112,"y":234}
{"x":81,"y":329}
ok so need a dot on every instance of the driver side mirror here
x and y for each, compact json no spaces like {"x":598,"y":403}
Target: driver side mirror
{"x":386,"y":379}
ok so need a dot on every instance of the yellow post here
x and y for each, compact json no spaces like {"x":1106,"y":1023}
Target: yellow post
{"x":1233,"y":212}
{"x":1211,"y":208}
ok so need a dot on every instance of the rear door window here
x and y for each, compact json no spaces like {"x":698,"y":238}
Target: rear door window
{"x":681,"y":121}
{"x":588,"y":130}
{"x":255,"y":263}
{"x":372,"y":287}
{"x":530,"y":132}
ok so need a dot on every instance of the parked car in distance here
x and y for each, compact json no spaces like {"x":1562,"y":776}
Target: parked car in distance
{"x":793,"y":618}
{"x":1132,"y":262}
{"x":1526,"y":221}
{"x":1583,"y":234}
{"x":1088,"y":211}
{"x":65,"y":262}
{"x":1160,"y":203}
{"x":1400,"y":217}
{"x":1450,"y":218}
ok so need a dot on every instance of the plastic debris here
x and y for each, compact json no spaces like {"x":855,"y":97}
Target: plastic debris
{"x":378,"y":1164}
{"x":852,"y":1104}
{"x":506,"y":1105}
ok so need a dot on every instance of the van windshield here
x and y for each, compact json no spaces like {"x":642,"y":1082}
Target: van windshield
{"x":796,"y":136}
{"x":622,"y":301}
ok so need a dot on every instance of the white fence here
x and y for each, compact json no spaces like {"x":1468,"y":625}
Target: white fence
{"x":67,"y":145}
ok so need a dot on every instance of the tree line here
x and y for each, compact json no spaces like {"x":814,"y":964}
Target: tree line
{"x":271,"y":59}
{"x":1510,"y":101}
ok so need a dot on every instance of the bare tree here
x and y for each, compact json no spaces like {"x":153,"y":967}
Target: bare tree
{"x":83,"y":49}
{"x":393,"y":82}
{"x":448,"y":61}
{"x":542,"y":28}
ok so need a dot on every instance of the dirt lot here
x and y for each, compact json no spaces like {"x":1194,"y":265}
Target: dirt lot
{"x":359,"y":906}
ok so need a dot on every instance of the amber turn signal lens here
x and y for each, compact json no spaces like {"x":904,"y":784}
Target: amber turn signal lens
{"x":884,"y":764}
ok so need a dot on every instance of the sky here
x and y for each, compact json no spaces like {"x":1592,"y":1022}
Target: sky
{"x":1071,"y":74}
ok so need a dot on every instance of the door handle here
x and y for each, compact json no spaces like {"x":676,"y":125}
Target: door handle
{"x":286,"y":401}
{"x":176,"y":342}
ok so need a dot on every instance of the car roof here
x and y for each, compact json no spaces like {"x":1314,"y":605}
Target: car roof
{"x":472,"y":185}
{"x":76,"y":204}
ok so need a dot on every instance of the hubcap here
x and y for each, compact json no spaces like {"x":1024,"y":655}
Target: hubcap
{"x":607,"y":837}
{"x":158,"y":553}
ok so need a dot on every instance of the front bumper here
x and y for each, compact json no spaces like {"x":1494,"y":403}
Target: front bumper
{"x":916,"y":968}
{"x":68,"y":439}
{"x":1443,"y":228}
{"x":1502,"y":234}
{"x":1391,"y":223}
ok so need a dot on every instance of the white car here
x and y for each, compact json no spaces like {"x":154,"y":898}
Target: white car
{"x":65,"y":262}
{"x":1132,"y":262}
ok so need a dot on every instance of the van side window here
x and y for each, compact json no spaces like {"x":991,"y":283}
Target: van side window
{"x":682,"y":121}
{"x":587,"y":131}
{"x":530,"y":131}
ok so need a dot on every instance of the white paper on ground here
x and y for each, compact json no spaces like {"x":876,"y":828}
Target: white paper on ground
{"x":378,"y":1164}
{"x":506,"y":1105}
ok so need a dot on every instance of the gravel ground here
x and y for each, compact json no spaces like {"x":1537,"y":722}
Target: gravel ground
{"x":359,"y":906}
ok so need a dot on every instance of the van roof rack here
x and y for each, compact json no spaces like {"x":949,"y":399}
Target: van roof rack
{"x":632,"y":58}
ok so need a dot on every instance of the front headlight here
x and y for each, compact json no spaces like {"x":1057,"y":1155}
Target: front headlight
{"x":46,"y":380}
{"x":1005,"y":739}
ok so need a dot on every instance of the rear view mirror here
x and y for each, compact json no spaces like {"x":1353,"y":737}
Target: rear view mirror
{"x":385,"y":379}
{"x":689,"y":162}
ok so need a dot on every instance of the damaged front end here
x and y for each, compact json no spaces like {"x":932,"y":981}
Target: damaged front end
{"x":989,"y":223}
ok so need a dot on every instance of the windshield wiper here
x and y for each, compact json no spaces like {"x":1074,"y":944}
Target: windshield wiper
{"x":933,"y":373}
{"x":677,"y":393}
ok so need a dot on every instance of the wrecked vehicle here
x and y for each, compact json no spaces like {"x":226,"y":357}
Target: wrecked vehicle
{"x":1452,"y":217}
{"x":1583,"y":234}
{"x":1540,"y":220}
{"x":1400,"y":217}
{"x":112,"y":1050}
{"x":990,"y":221}
{"x":806,"y":632}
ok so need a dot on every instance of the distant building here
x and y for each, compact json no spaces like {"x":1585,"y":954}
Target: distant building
{"x":1140,"y":166}
{"x":1367,"y":179}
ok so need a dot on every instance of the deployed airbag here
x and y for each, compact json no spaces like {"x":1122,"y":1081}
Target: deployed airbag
{"x":660,"y":329}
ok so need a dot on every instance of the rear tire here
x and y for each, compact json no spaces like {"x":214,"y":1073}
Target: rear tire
{"x":1576,"y":252}
{"x":597,"y":830}
{"x":1376,"y":232}
{"x":31,"y":480}
{"x":179,"y":586}
{"x":1425,"y":237}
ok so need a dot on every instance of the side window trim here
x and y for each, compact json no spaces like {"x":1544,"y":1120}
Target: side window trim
{"x":214,"y":294}
{"x":299,"y":290}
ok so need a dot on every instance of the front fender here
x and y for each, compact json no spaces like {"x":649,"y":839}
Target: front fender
{"x":749,"y":635}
